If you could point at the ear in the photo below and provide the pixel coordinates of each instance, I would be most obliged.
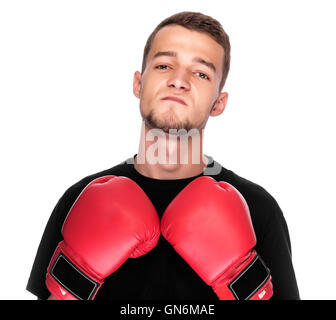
(220, 104)
(137, 84)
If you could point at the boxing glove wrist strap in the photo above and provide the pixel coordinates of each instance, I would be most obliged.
(72, 279)
(66, 281)
(248, 283)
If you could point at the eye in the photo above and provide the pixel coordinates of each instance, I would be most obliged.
(202, 75)
(162, 67)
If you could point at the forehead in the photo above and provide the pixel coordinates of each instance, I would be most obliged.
(188, 42)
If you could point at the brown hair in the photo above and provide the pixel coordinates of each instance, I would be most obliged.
(201, 23)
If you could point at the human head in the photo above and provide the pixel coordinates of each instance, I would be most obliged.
(198, 22)
(186, 64)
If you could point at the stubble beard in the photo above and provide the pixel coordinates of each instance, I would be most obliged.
(167, 122)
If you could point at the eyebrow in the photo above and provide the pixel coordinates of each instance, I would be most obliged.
(196, 59)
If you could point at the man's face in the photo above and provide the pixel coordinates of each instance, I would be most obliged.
(179, 87)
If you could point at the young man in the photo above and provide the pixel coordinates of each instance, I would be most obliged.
(185, 64)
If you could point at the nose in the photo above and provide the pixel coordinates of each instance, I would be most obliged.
(179, 80)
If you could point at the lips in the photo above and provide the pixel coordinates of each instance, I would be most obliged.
(171, 98)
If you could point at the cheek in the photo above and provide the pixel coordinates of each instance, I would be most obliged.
(151, 87)
(204, 98)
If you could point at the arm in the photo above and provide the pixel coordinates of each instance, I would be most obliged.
(275, 248)
(50, 239)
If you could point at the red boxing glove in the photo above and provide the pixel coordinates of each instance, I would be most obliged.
(111, 220)
(209, 225)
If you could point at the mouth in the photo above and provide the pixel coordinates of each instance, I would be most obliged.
(171, 98)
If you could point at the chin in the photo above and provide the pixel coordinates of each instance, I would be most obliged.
(166, 120)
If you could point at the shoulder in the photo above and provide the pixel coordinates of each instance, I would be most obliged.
(256, 195)
(72, 192)
(264, 209)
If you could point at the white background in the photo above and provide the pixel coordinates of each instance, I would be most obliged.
(67, 110)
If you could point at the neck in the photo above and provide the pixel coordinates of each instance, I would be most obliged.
(170, 156)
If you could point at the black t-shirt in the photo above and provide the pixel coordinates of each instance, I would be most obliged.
(162, 273)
